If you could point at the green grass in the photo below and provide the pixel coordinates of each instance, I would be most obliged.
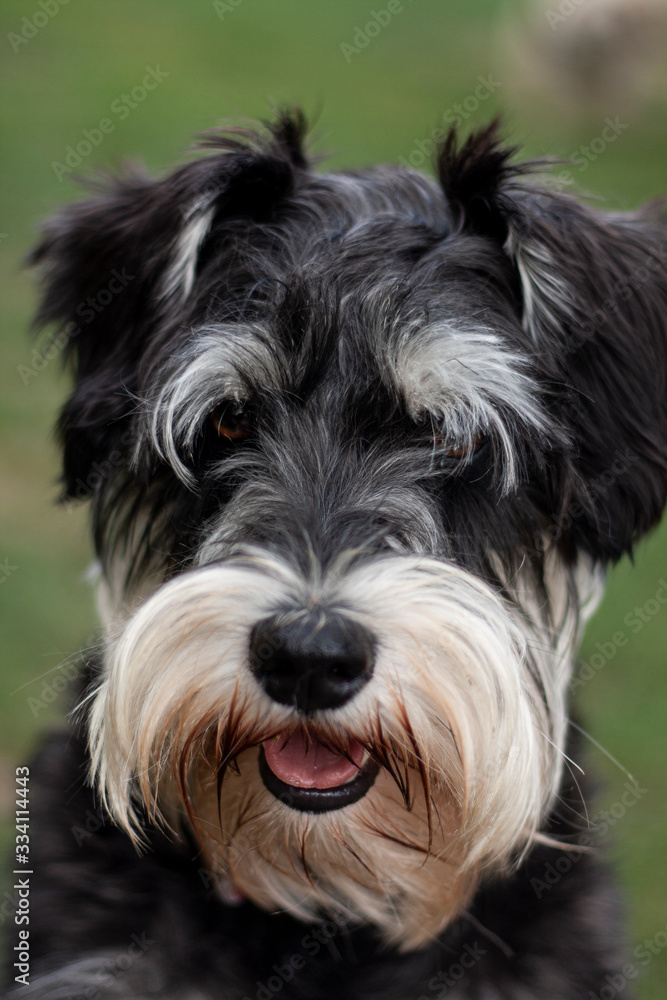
(372, 108)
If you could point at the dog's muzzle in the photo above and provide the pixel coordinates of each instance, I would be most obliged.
(313, 662)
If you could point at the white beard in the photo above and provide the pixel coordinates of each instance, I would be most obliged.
(467, 704)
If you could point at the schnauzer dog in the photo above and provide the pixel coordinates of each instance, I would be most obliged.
(359, 447)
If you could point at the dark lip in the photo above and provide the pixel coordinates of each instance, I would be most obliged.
(318, 800)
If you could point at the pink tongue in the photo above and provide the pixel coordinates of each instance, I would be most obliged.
(307, 763)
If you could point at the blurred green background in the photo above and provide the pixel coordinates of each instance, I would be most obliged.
(378, 94)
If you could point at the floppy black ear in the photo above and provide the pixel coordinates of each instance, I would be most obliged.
(100, 262)
(119, 264)
(593, 287)
(595, 303)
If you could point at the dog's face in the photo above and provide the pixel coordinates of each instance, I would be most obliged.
(358, 448)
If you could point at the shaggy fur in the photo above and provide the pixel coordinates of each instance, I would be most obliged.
(359, 448)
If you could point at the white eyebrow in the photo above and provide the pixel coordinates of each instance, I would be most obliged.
(468, 381)
(214, 366)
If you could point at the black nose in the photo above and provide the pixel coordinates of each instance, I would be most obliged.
(311, 660)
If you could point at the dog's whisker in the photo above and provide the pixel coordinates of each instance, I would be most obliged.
(603, 750)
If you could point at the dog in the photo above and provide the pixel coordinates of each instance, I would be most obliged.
(359, 448)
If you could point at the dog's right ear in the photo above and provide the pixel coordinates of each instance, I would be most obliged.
(122, 262)
(592, 296)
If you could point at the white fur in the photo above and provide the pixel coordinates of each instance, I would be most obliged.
(206, 374)
(464, 379)
(546, 295)
(180, 274)
(452, 660)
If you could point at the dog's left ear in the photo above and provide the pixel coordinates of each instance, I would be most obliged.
(593, 290)
(119, 265)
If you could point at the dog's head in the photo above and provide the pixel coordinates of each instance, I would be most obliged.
(358, 447)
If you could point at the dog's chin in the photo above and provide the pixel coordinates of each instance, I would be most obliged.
(349, 851)
(310, 777)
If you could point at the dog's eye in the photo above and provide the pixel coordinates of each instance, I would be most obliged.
(231, 421)
(463, 451)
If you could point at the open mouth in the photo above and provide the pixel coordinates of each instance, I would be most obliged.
(306, 775)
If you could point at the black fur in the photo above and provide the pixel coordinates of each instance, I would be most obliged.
(326, 265)
(278, 233)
